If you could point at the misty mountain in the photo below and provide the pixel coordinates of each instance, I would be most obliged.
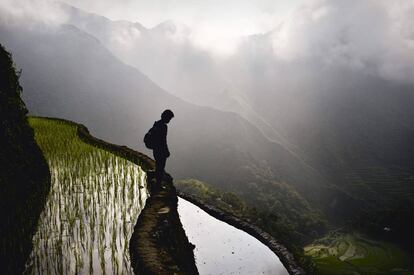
(69, 74)
(351, 124)
(166, 54)
(329, 115)
(335, 127)
(163, 52)
(299, 105)
(342, 121)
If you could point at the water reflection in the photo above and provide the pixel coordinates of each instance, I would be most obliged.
(224, 249)
(91, 210)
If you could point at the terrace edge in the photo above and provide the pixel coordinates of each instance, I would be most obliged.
(280, 250)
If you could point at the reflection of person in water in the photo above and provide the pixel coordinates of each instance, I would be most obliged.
(160, 151)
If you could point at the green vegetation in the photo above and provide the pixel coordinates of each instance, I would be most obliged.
(24, 175)
(281, 208)
(339, 253)
(92, 207)
(225, 201)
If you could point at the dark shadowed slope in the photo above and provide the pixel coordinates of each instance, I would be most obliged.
(357, 130)
(24, 174)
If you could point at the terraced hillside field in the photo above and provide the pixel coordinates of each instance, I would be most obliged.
(339, 253)
(94, 202)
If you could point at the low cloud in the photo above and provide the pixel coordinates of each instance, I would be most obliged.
(31, 12)
(372, 36)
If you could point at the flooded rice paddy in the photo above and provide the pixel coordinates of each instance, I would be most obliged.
(224, 249)
(92, 207)
(94, 202)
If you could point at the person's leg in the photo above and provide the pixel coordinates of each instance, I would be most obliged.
(159, 168)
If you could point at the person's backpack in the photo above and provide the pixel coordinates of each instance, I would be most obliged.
(150, 138)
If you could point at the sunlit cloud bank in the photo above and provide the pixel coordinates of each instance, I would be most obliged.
(373, 36)
(31, 11)
(216, 25)
(370, 36)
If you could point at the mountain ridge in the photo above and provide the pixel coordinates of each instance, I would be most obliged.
(117, 95)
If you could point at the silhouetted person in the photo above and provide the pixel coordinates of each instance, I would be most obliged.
(160, 150)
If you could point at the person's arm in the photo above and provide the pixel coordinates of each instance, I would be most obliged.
(164, 144)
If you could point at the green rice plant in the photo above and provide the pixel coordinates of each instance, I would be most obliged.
(91, 209)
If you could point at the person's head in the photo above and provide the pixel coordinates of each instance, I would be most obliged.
(166, 116)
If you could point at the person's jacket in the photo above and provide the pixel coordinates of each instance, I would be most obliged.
(161, 147)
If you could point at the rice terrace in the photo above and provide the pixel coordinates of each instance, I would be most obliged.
(355, 254)
(93, 204)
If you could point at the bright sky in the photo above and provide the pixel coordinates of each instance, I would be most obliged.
(215, 24)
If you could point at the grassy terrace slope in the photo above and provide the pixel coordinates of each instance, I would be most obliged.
(339, 253)
(93, 204)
